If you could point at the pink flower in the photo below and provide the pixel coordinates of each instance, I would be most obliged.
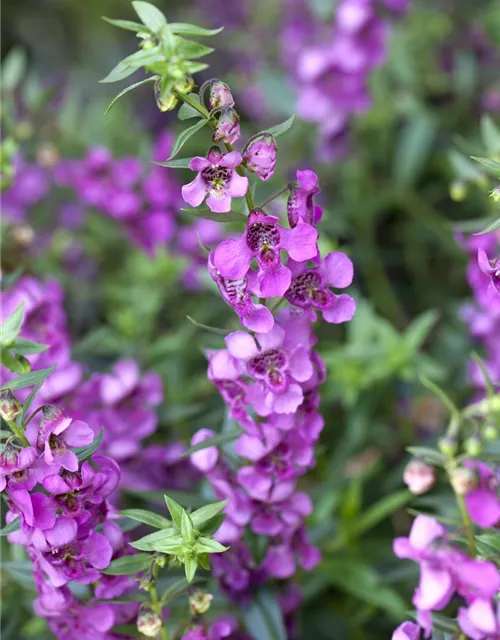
(480, 621)
(406, 631)
(483, 503)
(490, 270)
(217, 178)
(260, 156)
(205, 459)
(300, 205)
(57, 433)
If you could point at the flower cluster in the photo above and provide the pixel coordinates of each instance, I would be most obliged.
(331, 64)
(446, 571)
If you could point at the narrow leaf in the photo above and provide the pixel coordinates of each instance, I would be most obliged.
(29, 401)
(28, 379)
(175, 510)
(429, 455)
(182, 163)
(147, 517)
(184, 136)
(381, 510)
(187, 528)
(492, 165)
(173, 590)
(27, 347)
(192, 30)
(195, 67)
(85, 452)
(491, 227)
(190, 566)
(264, 618)
(280, 129)
(209, 545)
(11, 527)
(212, 525)
(192, 50)
(186, 111)
(127, 24)
(128, 565)
(120, 72)
(152, 17)
(10, 329)
(130, 88)
(205, 513)
(152, 540)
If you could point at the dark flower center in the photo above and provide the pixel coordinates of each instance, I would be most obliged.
(216, 176)
(305, 288)
(268, 362)
(262, 235)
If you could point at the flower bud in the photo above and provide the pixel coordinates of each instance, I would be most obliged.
(473, 446)
(149, 624)
(10, 407)
(419, 476)
(448, 445)
(463, 480)
(458, 191)
(219, 95)
(146, 582)
(228, 127)
(200, 602)
(186, 86)
(260, 156)
(165, 99)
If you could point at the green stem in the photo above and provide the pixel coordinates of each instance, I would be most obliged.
(274, 196)
(202, 111)
(18, 432)
(155, 602)
(278, 304)
(468, 524)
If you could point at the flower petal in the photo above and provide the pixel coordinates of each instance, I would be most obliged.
(194, 192)
(232, 258)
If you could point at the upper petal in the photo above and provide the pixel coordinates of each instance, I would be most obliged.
(232, 258)
(337, 269)
(241, 345)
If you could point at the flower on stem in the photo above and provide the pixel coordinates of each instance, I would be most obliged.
(263, 240)
(300, 205)
(10, 406)
(260, 156)
(219, 95)
(490, 270)
(310, 288)
(482, 502)
(228, 127)
(480, 620)
(17, 469)
(407, 631)
(57, 433)
(217, 177)
(419, 476)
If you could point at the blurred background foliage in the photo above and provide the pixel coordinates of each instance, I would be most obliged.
(388, 202)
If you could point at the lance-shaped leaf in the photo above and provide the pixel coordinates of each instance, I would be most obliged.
(187, 528)
(190, 566)
(191, 50)
(209, 545)
(11, 527)
(184, 136)
(210, 526)
(491, 227)
(192, 30)
(152, 540)
(186, 111)
(205, 513)
(120, 72)
(15, 364)
(82, 453)
(152, 17)
(147, 517)
(28, 379)
(175, 510)
(10, 329)
(129, 25)
(492, 165)
(280, 129)
(181, 163)
(128, 565)
(195, 67)
(130, 88)
(173, 590)
(27, 347)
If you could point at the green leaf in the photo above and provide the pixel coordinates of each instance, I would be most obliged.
(85, 452)
(414, 147)
(21, 572)
(28, 379)
(130, 88)
(209, 545)
(127, 24)
(428, 455)
(191, 50)
(381, 510)
(191, 30)
(445, 399)
(263, 618)
(491, 227)
(11, 527)
(173, 590)
(186, 111)
(362, 581)
(175, 510)
(187, 528)
(195, 67)
(280, 129)
(152, 17)
(209, 527)
(492, 165)
(15, 364)
(128, 565)
(132, 63)
(152, 540)
(190, 566)
(13, 68)
(10, 329)
(27, 347)
(184, 136)
(419, 329)
(182, 163)
(120, 72)
(492, 540)
(207, 214)
(206, 513)
(147, 517)
(490, 135)
(216, 441)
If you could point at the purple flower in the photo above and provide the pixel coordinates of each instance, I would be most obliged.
(260, 156)
(236, 293)
(407, 631)
(217, 178)
(228, 127)
(57, 433)
(277, 368)
(206, 459)
(483, 503)
(220, 95)
(492, 271)
(310, 288)
(15, 468)
(480, 620)
(264, 239)
(300, 205)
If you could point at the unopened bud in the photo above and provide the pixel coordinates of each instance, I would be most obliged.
(200, 602)
(260, 156)
(146, 582)
(149, 624)
(419, 476)
(473, 446)
(186, 86)
(458, 191)
(161, 560)
(10, 407)
(165, 99)
(219, 95)
(228, 127)
(448, 445)
(463, 480)
(490, 432)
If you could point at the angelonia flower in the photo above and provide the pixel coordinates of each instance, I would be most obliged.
(219, 95)
(260, 155)
(419, 476)
(228, 127)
